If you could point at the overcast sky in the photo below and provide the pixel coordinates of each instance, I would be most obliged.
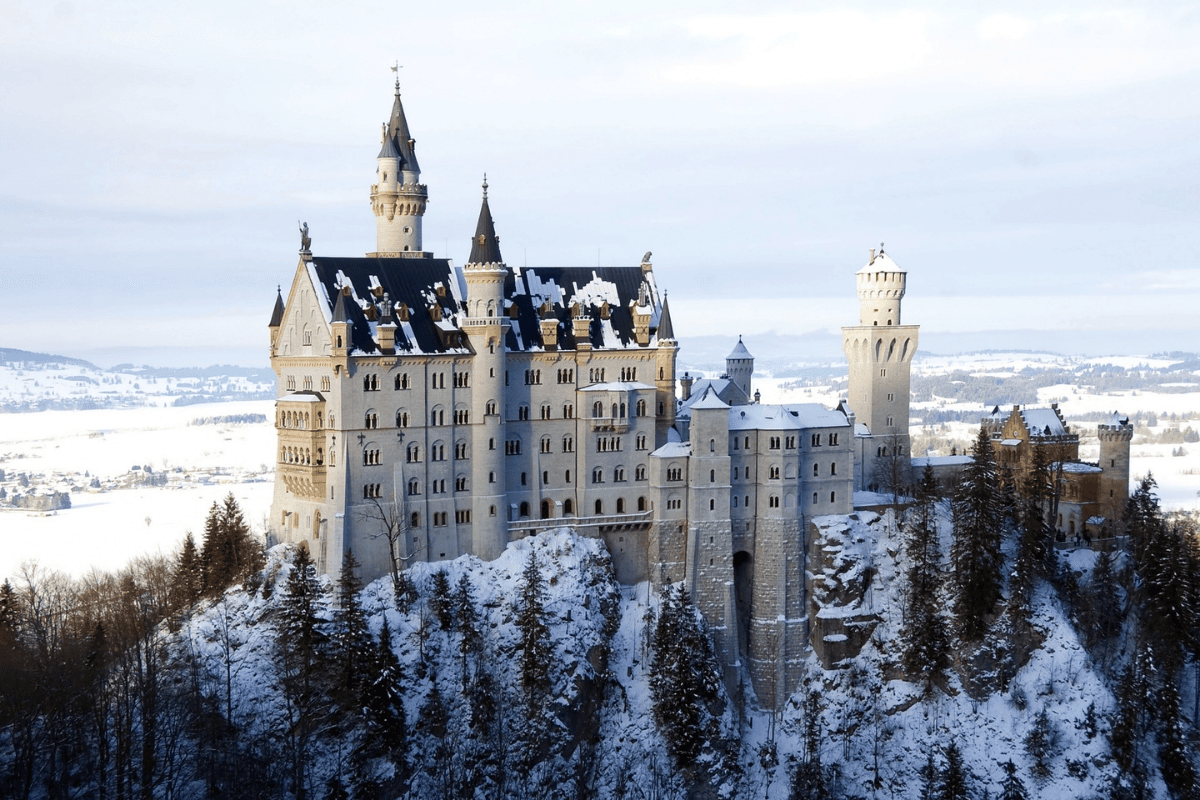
(1034, 169)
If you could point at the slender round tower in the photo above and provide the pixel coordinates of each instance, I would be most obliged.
(398, 197)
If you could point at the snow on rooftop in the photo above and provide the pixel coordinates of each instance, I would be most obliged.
(1041, 420)
(881, 263)
(673, 450)
(1078, 467)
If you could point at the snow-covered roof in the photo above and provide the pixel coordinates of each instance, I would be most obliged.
(881, 263)
(861, 429)
(726, 389)
(942, 461)
(785, 417)
(616, 386)
(673, 450)
(1117, 420)
(1011, 442)
(710, 399)
(1077, 467)
(739, 351)
(302, 397)
(1044, 422)
(1096, 521)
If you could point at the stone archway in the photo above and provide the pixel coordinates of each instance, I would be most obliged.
(743, 584)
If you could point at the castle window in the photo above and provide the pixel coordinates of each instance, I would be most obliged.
(524, 480)
(620, 505)
(599, 506)
(614, 410)
(641, 504)
(437, 416)
(545, 444)
(545, 478)
(402, 381)
(712, 476)
(773, 501)
(371, 383)
(816, 440)
(440, 518)
(833, 468)
(439, 380)
(883, 373)
(814, 498)
(523, 510)
(568, 478)
(735, 501)
(597, 475)
(491, 408)
(891, 397)
(736, 444)
(712, 445)
(889, 422)
(291, 383)
(308, 383)
(460, 484)
(791, 443)
(674, 474)
(491, 444)
(816, 470)
(462, 416)
(833, 440)
(371, 420)
(712, 505)
(774, 443)
(619, 474)
(491, 511)
(462, 516)
(461, 379)
(339, 341)
(370, 457)
(414, 487)
(568, 507)
(568, 411)
(372, 491)
(522, 412)
(325, 383)
(491, 477)
(833, 497)
(401, 419)
(568, 444)
(512, 447)
(747, 442)
(639, 472)
(415, 520)
(414, 453)
(747, 504)
(774, 473)
(437, 452)
(641, 441)
(641, 408)
(545, 411)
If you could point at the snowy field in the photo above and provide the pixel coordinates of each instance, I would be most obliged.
(65, 450)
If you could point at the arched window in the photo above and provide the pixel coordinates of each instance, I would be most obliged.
(833, 468)
(416, 519)
(597, 409)
(599, 506)
(414, 487)
(641, 408)
(712, 476)
(816, 470)
(712, 505)
(641, 506)
(402, 419)
(547, 508)
(568, 507)
(524, 510)
(620, 505)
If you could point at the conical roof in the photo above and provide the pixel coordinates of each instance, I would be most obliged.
(277, 314)
(739, 352)
(339, 308)
(485, 247)
(397, 131)
(665, 329)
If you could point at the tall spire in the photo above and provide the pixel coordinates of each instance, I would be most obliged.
(277, 312)
(665, 330)
(485, 246)
(397, 131)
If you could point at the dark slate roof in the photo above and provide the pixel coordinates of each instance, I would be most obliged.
(277, 314)
(485, 247)
(388, 149)
(412, 281)
(397, 131)
(529, 288)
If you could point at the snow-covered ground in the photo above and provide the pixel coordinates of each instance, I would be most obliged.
(66, 450)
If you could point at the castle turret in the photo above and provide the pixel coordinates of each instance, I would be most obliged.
(276, 320)
(739, 366)
(664, 382)
(398, 197)
(1115, 436)
(880, 351)
(487, 326)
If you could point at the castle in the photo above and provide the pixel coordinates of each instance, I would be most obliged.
(427, 411)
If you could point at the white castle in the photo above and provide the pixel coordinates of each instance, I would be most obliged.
(427, 411)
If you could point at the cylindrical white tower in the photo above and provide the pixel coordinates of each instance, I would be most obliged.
(398, 197)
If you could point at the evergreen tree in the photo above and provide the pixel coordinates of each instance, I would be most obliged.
(976, 552)
(382, 700)
(1142, 519)
(535, 634)
(439, 599)
(952, 782)
(304, 671)
(352, 646)
(925, 639)
(929, 778)
(1012, 788)
(684, 678)
(405, 591)
(1103, 612)
(466, 616)
(1177, 769)
(1034, 546)
(187, 579)
(228, 553)
(1041, 744)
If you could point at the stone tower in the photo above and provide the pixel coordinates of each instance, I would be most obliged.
(739, 366)
(880, 351)
(1115, 436)
(398, 197)
(486, 326)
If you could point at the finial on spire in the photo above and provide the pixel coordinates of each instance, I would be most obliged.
(881, 248)
(396, 69)
(485, 186)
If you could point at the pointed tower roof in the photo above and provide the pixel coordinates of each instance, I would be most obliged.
(397, 131)
(277, 314)
(339, 308)
(665, 329)
(710, 399)
(739, 352)
(388, 149)
(485, 247)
